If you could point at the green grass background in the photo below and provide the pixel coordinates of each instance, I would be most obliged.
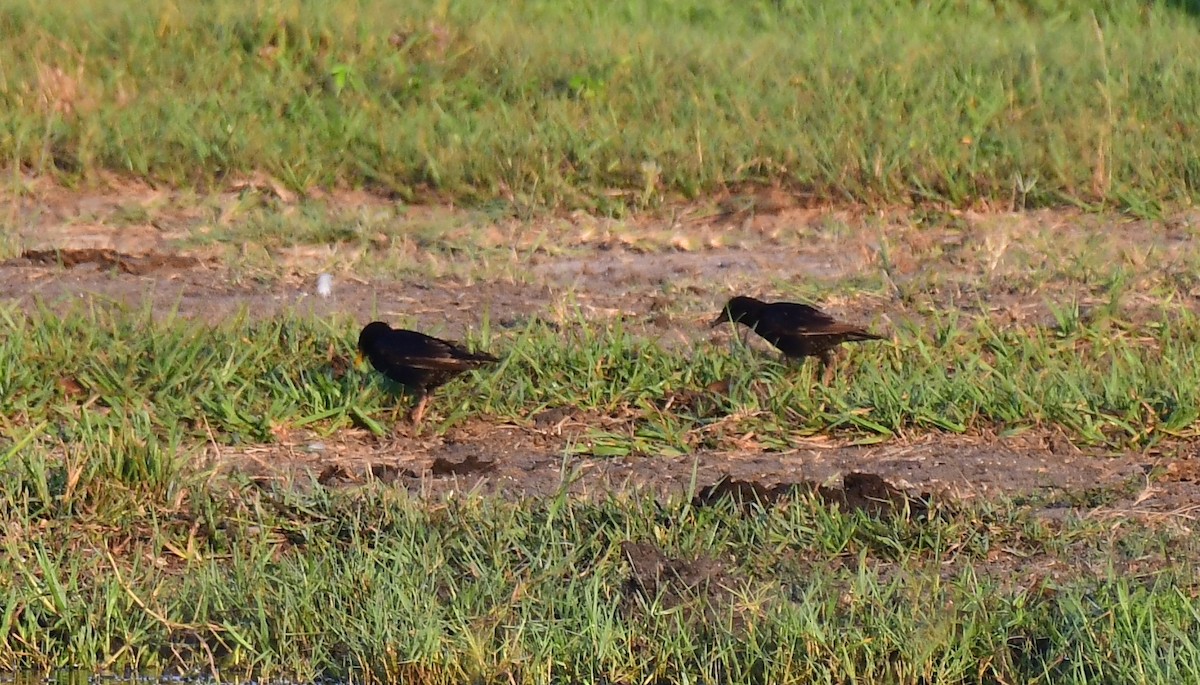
(616, 105)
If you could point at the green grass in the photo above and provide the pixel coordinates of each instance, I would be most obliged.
(108, 374)
(611, 106)
(203, 575)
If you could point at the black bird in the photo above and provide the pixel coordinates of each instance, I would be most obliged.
(797, 330)
(416, 361)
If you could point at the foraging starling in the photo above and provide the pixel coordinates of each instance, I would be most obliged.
(797, 330)
(417, 361)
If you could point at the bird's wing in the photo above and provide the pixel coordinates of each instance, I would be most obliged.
(467, 356)
(801, 320)
(796, 316)
(437, 363)
(420, 351)
(836, 328)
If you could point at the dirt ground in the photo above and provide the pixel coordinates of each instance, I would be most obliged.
(515, 461)
(668, 279)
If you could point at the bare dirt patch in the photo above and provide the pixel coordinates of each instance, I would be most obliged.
(757, 242)
(517, 462)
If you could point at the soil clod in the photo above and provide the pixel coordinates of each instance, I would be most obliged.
(472, 464)
(107, 259)
(865, 492)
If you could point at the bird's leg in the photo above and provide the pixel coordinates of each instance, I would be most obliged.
(418, 410)
(828, 368)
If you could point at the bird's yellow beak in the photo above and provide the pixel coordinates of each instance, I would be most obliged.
(358, 358)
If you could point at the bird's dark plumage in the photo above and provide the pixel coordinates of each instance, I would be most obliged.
(417, 361)
(797, 330)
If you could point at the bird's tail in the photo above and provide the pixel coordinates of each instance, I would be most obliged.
(478, 357)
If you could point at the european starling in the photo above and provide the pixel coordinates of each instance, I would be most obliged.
(416, 361)
(797, 330)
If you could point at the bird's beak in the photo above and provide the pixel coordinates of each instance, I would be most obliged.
(358, 358)
(721, 318)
